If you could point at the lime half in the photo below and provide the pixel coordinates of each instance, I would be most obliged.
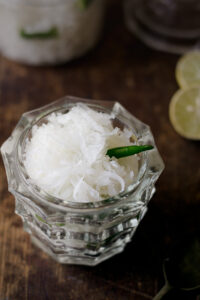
(184, 112)
(188, 70)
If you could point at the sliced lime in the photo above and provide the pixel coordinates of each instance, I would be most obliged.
(184, 112)
(188, 70)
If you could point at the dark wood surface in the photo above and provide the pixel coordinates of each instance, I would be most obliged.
(119, 68)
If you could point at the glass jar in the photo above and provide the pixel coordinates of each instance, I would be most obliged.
(168, 25)
(80, 233)
(49, 31)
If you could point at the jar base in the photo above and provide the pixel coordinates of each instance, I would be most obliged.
(67, 258)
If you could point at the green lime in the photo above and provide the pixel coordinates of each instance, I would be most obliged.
(188, 70)
(184, 112)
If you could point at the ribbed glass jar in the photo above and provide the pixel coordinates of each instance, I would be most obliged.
(80, 233)
(167, 25)
(49, 31)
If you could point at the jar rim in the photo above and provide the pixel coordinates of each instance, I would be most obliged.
(47, 199)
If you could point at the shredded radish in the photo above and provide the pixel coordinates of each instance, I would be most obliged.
(67, 158)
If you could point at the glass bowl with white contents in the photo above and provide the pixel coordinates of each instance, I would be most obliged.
(78, 204)
(47, 32)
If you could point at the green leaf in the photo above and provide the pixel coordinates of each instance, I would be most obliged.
(41, 219)
(45, 222)
(49, 34)
(182, 268)
(83, 4)
(60, 224)
(127, 151)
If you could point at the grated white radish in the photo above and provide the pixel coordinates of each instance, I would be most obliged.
(67, 158)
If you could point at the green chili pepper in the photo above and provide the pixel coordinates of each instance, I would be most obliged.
(84, 3)
(49, 34)
(127, 151)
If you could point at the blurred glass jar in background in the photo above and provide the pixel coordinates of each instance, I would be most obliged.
(168, 25)
(40, 32)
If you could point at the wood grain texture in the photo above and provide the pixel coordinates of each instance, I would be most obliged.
(119, 68)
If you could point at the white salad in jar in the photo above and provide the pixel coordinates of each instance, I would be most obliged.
(66, 156)
(49, 31)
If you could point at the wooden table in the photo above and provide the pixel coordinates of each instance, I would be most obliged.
(119, 68)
